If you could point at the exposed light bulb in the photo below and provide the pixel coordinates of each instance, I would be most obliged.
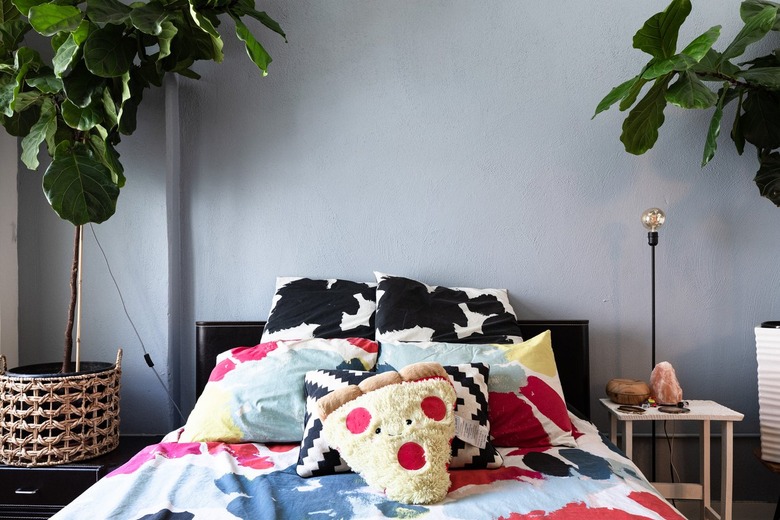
(653, 219)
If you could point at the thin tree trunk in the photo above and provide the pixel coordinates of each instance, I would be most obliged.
(74, 272)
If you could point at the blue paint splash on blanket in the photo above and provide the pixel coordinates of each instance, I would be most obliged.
(282, 495)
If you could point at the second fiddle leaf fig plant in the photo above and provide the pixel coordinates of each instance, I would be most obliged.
(77, 98)
(700, 77)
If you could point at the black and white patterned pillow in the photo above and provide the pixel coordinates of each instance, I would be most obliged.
(317, 458)
(408, 310)
(471, 411)
(304, 308)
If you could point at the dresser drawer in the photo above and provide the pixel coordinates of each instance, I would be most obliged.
(18, 512)
(44, 486)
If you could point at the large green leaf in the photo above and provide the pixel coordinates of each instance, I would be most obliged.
(81, 85)
(20, 123)
(108, 53)
(761, 119)
(640, 129)
(151, 72)
(79, 187)
(46, 83)
(615, 95)
(711, 143)
(658, 36)
(8, 12)
(205, 25)
(24, 5)
(256, 52)
(700, 46)
(768, 60)
(148, 18)
(167, 33)
(754, 29)
(202, 21)
(765, 76)
(123, 83)
(7, 88)
(11, 33)
(107, 11)
(81, 118)
(25, 100)
(712, 68)
(189, 44)
(768, 177)
(82, 32)
(49, 19)
(40, 131)
(247, 8)
(132, 94)
(64, 56)
(108, 155)
(690, 92)
(633, 92)
(25, 59)
(750, 8)
(736, 128)
(269, 22)
(109, 107)
(127, 120)
(677, 63)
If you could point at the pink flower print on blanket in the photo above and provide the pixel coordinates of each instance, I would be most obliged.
(247, 455)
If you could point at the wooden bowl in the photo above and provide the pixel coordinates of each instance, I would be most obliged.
(628, 391)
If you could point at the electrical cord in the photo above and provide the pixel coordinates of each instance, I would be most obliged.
(670, 443)
(147, 356)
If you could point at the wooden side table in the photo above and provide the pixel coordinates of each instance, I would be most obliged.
(39, 492)
(705, 412)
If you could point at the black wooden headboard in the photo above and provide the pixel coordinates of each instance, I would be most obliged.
(569, 337)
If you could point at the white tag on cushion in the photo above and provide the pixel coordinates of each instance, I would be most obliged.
(471, 432)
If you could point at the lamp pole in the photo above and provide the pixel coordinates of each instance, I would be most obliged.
(653, 219)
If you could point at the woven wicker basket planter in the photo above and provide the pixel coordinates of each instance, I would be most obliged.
(58, 418)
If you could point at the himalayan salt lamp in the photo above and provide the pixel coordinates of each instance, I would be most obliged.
(664, 385)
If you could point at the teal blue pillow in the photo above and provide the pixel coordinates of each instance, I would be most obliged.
(256, 394)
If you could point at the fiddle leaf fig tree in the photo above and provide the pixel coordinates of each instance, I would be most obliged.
(700, 77)
(79, 103)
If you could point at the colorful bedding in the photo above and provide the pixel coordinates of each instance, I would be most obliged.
(213, 481)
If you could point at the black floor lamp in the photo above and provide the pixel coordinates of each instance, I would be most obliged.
(653, 219)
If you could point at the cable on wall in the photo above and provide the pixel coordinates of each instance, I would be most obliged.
(147, 356)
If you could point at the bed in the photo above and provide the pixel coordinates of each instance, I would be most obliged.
(574, 473)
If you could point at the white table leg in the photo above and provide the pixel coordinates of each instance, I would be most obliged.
(706, 502)
(613, 429)
(628, 439)
(726, 469)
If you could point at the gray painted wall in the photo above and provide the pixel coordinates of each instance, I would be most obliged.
(9, 271)
(448, 141)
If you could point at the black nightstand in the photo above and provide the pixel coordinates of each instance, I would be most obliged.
(32, 493)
